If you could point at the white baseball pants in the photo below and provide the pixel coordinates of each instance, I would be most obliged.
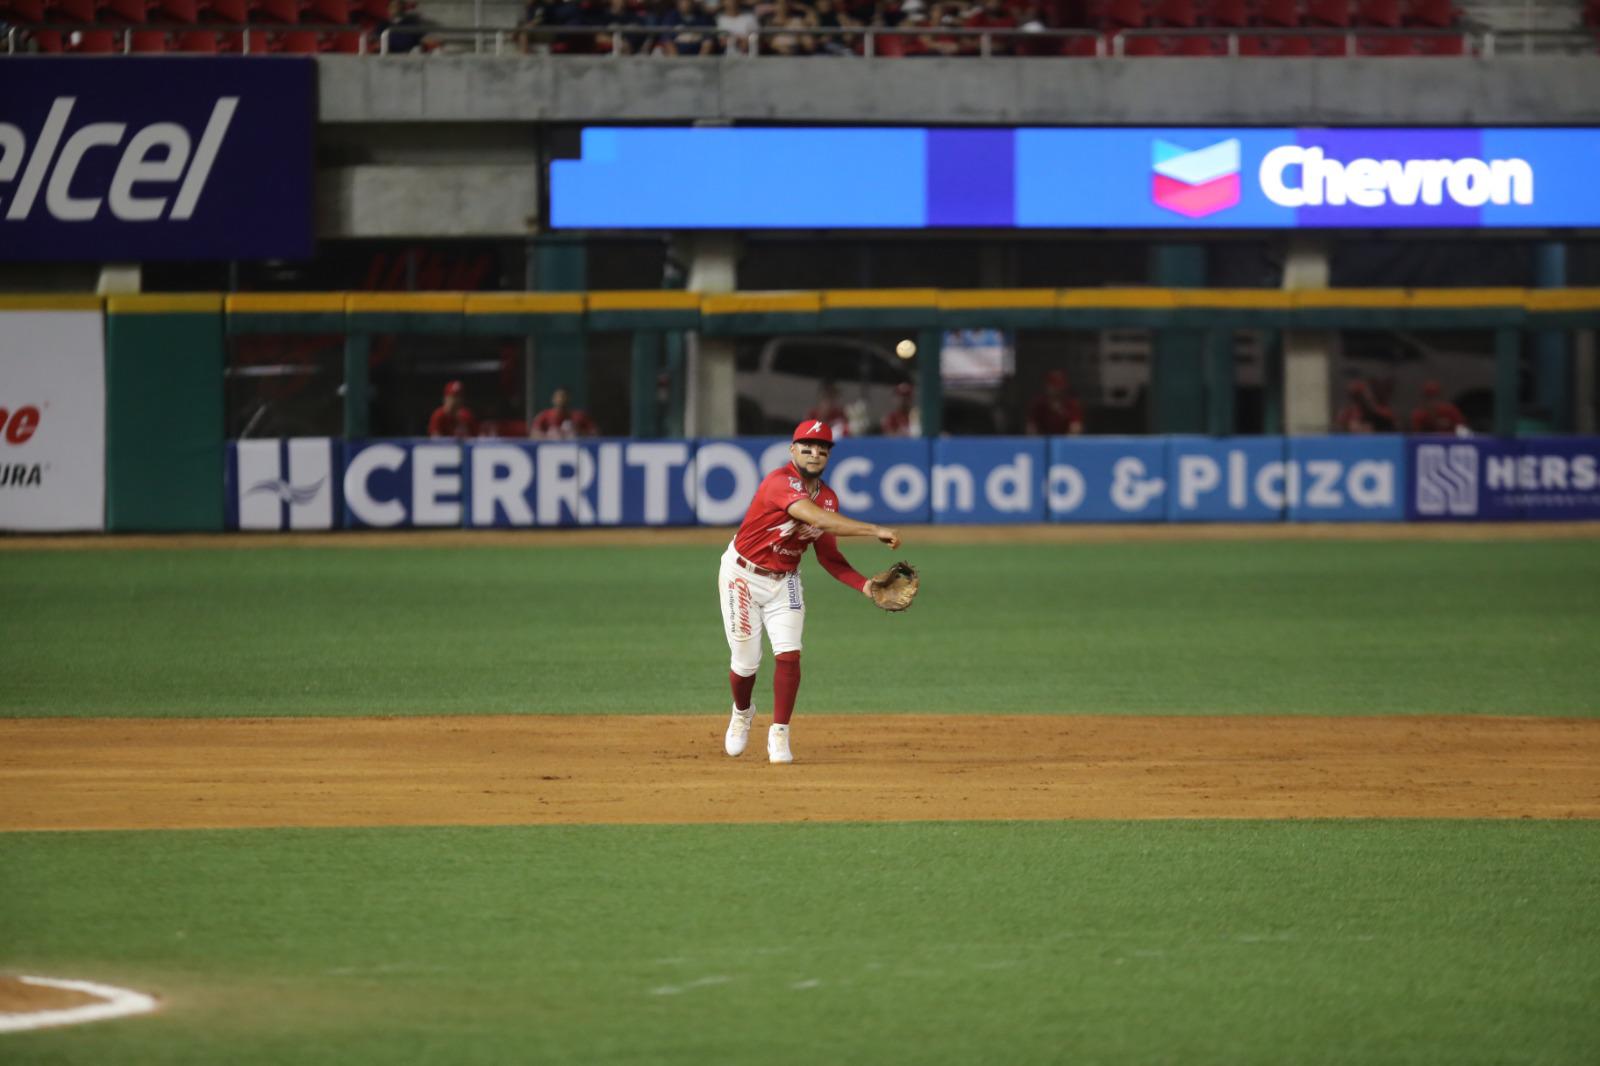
(750, 602)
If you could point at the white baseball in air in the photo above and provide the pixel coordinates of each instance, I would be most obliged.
(906, 348)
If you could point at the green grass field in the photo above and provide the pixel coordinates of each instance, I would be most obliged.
(1205, 628)
(1084, 942)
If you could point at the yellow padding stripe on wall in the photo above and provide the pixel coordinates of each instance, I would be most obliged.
(735, 303)
(406, 302)
(1563, 300)
(286, 302)
(48, 302)
(858, 298)
(644, 300)
(524, 303)
(156, 303)
(985, 299)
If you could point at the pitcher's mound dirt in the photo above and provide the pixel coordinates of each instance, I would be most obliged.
(509, 770)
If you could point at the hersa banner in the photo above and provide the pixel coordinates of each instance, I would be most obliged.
(112, 159)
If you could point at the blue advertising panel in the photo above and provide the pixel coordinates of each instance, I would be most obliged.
(395, 484)
(882, 479)
(1106, 479)
(724, 475)
(577, 483)
(988, 480)
(1228, 479)
(1541, 479)
(1143, 178)
(1341, 479)
(145, 158)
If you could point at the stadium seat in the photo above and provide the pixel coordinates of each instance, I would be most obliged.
(199, 42)
(1284, 13)
(97, 42)
(1442, 44)
(344, 43)
(1386, 44)
(1175, 13)
(370, 10)
(225, 11)
(23, 10)
(283, 12)
(1201, 44)
(147, 41)
(247, 42)
(327, 12)
(1231, 13)
(1125, 14)
(1439, 13)
(75, 11)
(1379, 13)
(1333, 13)
(299, 42)
(187, 11)
(1143, 44)
(125, 10)
(49, 41)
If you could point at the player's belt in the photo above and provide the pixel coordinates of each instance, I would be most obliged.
(763, 571)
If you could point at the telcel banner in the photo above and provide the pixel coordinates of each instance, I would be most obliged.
(150, 158)
(1153, 178)
(52, 420)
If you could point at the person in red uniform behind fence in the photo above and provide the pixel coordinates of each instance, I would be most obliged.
(759, 585)
(904, 420)
(1056, 412)
(560, 421)
(452, 418)
(1435, 414)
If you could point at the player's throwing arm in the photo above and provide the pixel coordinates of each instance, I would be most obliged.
(759, 584)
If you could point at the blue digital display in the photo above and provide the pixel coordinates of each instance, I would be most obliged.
(1153, 178)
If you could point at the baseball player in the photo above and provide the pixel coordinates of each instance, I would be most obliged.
(759, 581)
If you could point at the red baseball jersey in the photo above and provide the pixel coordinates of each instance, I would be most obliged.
(772, 538)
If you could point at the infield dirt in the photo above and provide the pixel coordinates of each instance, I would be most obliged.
(65, 774)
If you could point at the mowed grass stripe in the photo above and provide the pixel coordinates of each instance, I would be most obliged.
(1145, 628)
(1228, 943)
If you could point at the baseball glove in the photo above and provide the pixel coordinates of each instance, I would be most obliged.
(895, 588)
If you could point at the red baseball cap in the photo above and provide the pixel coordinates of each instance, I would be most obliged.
(453, 388)
(813, 429)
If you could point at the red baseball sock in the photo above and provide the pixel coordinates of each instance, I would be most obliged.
(742, 688)
(785, 683)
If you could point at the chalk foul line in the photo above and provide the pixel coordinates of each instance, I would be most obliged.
(115, 1003)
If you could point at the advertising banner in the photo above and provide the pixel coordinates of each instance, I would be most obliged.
(1343, 479)
(513, 484)
(141, 158)
(1482, 479)
(283, 484)
(1231, 479)
(988, 480)
(1140, 178)
(1107, 479)
(52, 420)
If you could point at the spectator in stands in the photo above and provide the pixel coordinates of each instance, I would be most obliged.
(616, 13)
(562, 421)
(1363, 411)
(905, 420)
(792, 16)
(1435, 414)
(1056, 412)
(737, 25)
(403, 25)
(686, 35)
(826, 16)
(828, 409)
(452, 419)
(991, 15)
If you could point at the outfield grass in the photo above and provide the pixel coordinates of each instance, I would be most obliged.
(1304, 627)
(1228, 943)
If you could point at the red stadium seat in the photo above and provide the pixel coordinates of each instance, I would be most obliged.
(1201, 44)
(125, 10)
(200, 42)
(248, 42)
(97, 42)
(1143, 44)
(327, 12)
(1290, 46)
(1386, 44)
(370, 10)
(177, 10)
(1175, 13)
(147, 41)
(225, 11)
(1227, 13)
(1280, 13)
(75, 11)
(344, 43)
(24, 10)
(300, 42)
(1440, 13)
(1126, 14)
(1443, 44)
(284, 12)
(1378, 13)
(1334, 13)
(49, 41)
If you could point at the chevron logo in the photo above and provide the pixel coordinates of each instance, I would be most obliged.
(1195, 182)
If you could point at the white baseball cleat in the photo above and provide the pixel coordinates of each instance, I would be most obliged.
(738, 734)
(778, 744)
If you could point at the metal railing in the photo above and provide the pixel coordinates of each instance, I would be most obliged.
(868, 42)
